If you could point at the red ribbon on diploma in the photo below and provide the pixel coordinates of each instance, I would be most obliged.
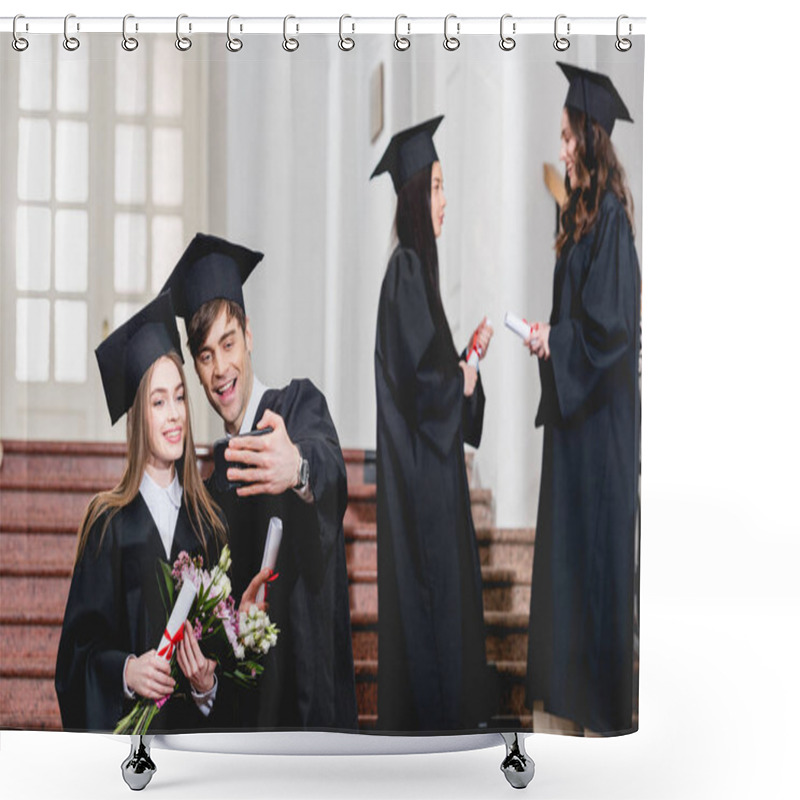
(475, 347)
(168, 649)
(271, 576)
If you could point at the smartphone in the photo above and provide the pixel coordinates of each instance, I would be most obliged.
(221, 466)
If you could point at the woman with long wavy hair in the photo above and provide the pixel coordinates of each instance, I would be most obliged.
(580, 648)
(115, 612)
(431, 644)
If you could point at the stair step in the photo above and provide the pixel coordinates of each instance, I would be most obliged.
(27, 597)
(55, 464)
(511, 548)
(47, 553)
(24, 643)
(45, 511)
(501, 592)
(29, 703)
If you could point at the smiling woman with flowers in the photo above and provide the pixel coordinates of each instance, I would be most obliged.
(119, 599)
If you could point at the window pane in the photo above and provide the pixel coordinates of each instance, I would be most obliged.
(33, 248)
(131, 91)
(33, 167)
(167, 78)
(72, 161)
(70, 341)
(130, 160)
(123, 312)
(72, 83)
(168, 245)
(72, 251)
(33, 339)
(36, 78)
(167, 166)
(130, 253)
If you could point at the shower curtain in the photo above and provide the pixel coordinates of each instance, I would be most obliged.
(113, 158)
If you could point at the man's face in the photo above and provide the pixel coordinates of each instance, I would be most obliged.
(225, 370)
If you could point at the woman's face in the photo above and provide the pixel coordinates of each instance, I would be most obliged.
(569, 146)
(438, 201)
(166, 414)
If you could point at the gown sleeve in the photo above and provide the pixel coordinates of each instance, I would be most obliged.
(428, 388)
(90, 662)
(588, 344)
(310, 427)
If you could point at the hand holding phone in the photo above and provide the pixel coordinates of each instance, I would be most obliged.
(221, 464)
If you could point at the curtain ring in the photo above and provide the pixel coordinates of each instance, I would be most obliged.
(19, 43)
(233, 44)
(451, 42)
(346, 43)
(561, 43)
(623, 45)
(129, 43)
(290, 44)
(70, 43)
(183, 43)
(401, 42)
(507, 42)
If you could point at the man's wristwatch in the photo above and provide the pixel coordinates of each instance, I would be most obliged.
(302, 475)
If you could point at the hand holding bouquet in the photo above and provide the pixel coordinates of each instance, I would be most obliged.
(230, 637)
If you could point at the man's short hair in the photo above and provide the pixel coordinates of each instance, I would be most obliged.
(204, 318)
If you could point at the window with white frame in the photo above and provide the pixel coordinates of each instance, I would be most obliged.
(97, 141)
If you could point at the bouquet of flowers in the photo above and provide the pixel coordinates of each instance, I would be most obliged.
(233, 638)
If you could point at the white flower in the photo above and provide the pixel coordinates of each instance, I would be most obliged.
(224, 563)
(224, 584)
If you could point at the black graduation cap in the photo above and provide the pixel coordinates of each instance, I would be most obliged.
(594, 94)
(408, 152)
(210, 268)
(126, 354)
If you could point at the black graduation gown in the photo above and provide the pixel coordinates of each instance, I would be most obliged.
(431, 643)
(114, 609)
(309, 679)
(580, 656)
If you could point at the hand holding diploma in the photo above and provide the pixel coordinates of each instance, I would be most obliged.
(539, 343)
(148, 675)
(479, 344)
(270, 557)
(535, 335)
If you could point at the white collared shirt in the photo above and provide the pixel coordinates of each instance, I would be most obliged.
(249, 419)
(164, 504)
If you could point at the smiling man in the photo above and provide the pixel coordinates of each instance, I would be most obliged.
(295, 472)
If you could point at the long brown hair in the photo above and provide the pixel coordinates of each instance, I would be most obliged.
(202, 510)
(594, 175)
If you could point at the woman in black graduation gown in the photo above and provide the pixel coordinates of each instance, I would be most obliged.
(580, 656)
(115, 614)
(431, 644)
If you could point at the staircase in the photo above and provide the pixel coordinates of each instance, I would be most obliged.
(44, 490)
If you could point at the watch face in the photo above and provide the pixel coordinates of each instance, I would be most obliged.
(302, 476)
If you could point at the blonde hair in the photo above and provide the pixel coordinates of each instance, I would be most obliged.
(202, 510)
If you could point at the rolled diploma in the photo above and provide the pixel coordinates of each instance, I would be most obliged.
(180, 612)
(271, 547)
(521, 327)
(475, 352)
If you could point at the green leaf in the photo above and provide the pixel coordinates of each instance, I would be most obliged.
(169, 584)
